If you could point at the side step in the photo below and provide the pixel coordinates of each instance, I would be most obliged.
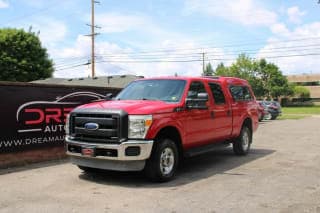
(207, 148)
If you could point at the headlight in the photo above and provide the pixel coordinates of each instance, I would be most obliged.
(66, 126)
(139, 126)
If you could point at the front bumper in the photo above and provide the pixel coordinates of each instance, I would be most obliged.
(119, 150)
(119, 159)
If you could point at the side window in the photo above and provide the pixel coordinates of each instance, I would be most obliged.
(196, 87)
(247, 94)
(217, 93)
(240, 93)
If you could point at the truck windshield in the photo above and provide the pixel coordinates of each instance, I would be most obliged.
(156, 89)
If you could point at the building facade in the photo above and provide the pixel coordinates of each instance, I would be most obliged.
(310, 81)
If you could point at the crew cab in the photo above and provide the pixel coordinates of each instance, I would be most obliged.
(154, 123)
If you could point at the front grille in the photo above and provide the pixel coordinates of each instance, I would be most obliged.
(112, 125)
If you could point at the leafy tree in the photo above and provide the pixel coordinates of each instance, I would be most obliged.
(22, 58)
(221, 70)
(265, 78)
(275, 84)
(301, 92)
(208, 71)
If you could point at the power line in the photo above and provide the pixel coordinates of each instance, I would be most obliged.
(187, 57)
(187, 61)
(172, 49)
(191, 56)
(176, 59)
(152, 54)
(79, 65)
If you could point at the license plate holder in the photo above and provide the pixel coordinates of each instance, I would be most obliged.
(88, 151)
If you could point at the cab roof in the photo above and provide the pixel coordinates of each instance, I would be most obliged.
(222, 79)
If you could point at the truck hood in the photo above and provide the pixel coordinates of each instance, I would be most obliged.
(134, 106)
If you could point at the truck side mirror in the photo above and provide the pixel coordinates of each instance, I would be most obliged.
(109, 96)
(198, 103)
(203, 96)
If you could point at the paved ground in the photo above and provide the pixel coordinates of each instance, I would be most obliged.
(281, 174)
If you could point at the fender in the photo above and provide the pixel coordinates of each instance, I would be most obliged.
(161, 121)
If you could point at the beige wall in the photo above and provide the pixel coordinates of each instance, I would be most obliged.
(303, 78)
(314, 90)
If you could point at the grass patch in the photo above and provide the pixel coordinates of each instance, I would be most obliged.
(312, 110)
(291, 116)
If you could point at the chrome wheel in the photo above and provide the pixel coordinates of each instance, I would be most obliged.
(166, 161)
(163, 163)
(245, 140)
(241, 145)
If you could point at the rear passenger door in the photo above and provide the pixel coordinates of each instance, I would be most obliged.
(221, 113)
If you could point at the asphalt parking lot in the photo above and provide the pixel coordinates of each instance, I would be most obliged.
(281, 174)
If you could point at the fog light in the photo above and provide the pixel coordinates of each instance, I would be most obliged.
(132, 151)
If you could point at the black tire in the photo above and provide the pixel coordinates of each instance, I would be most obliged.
(241, 145)
(163, 163)
(274, 117)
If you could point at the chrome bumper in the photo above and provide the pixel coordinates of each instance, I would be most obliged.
(145, 149)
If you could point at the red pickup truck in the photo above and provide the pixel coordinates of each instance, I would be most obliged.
(154, 123)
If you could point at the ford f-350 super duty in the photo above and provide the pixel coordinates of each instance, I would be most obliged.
(154, 123)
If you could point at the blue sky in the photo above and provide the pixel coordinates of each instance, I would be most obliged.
(164, 37)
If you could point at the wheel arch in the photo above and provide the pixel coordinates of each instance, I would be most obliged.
(172, 133)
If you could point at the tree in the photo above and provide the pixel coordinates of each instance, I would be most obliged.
(245, 68)
(301, 92)
(208, 71)
(221, 70)
(22, 58)
(265, 78)
(275, 84)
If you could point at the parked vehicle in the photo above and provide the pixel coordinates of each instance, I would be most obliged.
(274, 108)
(153, 123)
(264, 114)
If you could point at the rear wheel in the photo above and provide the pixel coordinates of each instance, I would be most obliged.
(241, 145)
(162, 165)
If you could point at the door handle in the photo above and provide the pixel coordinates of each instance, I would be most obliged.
(212, 114)
(228, 112)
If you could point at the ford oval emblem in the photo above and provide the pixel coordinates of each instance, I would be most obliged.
(91, 126)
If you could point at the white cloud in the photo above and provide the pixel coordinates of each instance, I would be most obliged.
(4, 4)
(295, 15)
(245, 12)
(114, 23)
(112, 59)
(51, 30)
(137, 23)
(303, 40)
(280, 29)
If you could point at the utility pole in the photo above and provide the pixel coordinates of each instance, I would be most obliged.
(92, 35)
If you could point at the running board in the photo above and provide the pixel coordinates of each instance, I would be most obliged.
(206, 148)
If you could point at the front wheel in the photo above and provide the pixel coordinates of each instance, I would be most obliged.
(241, 145)
(162, 165)
(274, 117)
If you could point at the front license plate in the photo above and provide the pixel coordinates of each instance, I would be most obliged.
(88, 152)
